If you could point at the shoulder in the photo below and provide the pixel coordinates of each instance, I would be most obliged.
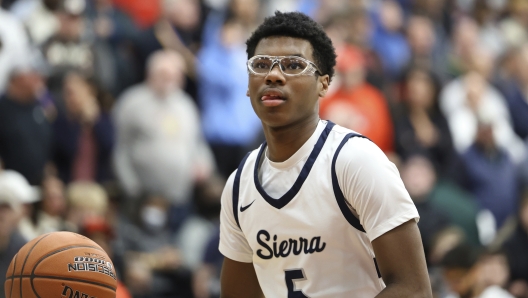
(132, 96)
(357, 152)
(185, 98)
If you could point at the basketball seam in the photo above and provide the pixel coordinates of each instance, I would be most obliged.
(12, 274)
(56, 252)
(25, 260)
(67, 279)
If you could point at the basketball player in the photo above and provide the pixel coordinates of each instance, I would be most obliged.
(317, 210)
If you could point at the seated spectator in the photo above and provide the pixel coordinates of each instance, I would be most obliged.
(25, 130)
(420, 126)
(48, 214)
(14, 192)
(100, 231)
(83, 134)
(469, 272)
(515, 248)
(154, 264)
(160, 148)
(356, 104)
(489, 174)
(206, 280)
(419, 178)
(461, 208)
(85, 200)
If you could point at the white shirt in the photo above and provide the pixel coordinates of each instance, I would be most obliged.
(370, 184)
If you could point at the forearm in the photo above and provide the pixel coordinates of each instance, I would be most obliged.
(396, 290)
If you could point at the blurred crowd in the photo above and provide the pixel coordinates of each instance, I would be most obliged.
(122, 119)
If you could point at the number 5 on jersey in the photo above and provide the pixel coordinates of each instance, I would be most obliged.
(290, 276)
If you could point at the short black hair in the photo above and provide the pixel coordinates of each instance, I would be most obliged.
(297, 25)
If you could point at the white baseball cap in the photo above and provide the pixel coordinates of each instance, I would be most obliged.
(15, 189)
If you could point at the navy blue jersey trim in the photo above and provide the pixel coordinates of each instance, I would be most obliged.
(341, 201)
(292, 192)
(377, 268)
(236, 187)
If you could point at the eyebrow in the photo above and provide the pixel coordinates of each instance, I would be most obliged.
(296, 55)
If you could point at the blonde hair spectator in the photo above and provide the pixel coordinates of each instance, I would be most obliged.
(89, 197)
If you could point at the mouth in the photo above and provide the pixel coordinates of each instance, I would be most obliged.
(272, 97)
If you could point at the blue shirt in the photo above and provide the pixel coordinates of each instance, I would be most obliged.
(227, 114)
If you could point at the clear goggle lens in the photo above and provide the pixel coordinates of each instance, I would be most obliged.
(288, 65)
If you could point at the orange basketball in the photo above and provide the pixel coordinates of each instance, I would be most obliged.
(61, 264)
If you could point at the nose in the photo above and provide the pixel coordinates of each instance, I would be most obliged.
(275, 75)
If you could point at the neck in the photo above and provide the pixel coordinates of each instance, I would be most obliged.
(284, 141)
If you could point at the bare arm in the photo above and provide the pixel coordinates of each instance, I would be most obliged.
(239, 280)
(401, 261)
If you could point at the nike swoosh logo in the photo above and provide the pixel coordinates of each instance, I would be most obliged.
(242, 209)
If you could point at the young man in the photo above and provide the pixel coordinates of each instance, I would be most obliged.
(317, 210)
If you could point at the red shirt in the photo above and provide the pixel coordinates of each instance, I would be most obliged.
(362, 109)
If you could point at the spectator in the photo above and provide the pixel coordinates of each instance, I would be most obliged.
(246, 13)
(514, 25)
(489, 31)
(460, 206)
(387, 39)
(14, 192)
(86, 200)
(489, 174)
(14, 49)
(419, 178)
(25, 130)
(464, 41)
(179, 29)
(84, 134)
(100, 231)
(49, 213)
(428, 49)
(228, 120)
(39, 18)
(515, 248)
(463, 98)
(206, 280)
(472, 273)
(144, 14)
(160, 148)
(71, 48)
(420, 126)
(155, 266)
(115, 29)
(356, 104)
(515, 94)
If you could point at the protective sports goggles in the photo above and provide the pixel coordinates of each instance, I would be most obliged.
(261, 65)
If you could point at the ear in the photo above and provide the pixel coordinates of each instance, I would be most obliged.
(247, 92)
(323, 82)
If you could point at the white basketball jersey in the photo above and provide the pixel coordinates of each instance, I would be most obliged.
(307, 243)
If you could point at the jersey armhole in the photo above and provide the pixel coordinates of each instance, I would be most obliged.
(341, 201)
(236, 188)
